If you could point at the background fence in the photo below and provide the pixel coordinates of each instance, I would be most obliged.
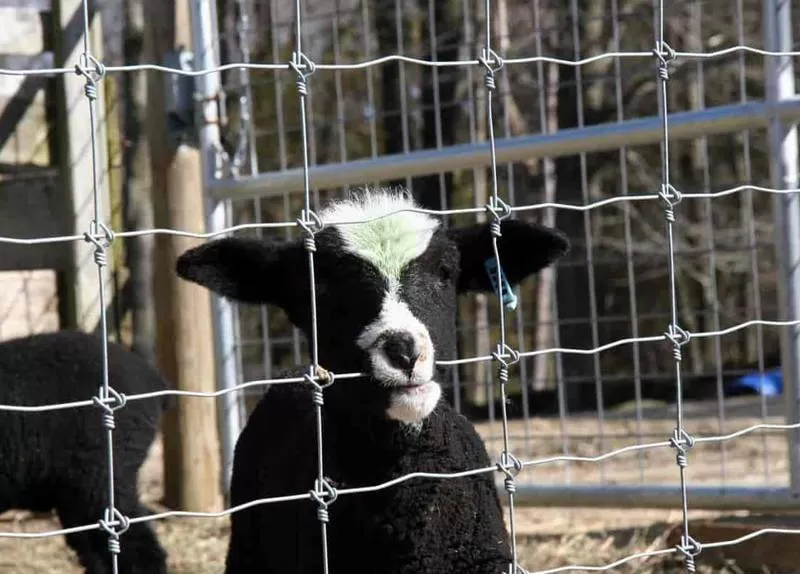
(579, 133)
(585, 137)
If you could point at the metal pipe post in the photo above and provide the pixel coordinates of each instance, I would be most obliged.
(208, 87)
(600, 137)
(667, 496)
(777, 22)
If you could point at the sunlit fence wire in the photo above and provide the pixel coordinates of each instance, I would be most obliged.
(497, 207)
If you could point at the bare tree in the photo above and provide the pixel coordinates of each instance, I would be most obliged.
(138, 209)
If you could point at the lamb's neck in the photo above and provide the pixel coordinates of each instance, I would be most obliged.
(390, 437)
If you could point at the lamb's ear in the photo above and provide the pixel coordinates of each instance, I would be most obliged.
(244, 269)
(524, 248)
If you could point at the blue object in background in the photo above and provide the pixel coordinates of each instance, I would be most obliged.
(769, 384)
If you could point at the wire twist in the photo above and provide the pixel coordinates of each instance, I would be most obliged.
(678, 337)
(108, 410)
(323, 490)
(101, 237)
(510, 466)
(690, 549)
(311, 224)
(92, 71)
(498, 211)
(327, 378)
(113, 518)
(499, 355)
(671, 197)
(493, 64)
(682, 441)
(303, 67)
(665, 55)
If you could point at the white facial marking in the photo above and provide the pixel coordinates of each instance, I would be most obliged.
(390, 243)
(395, 316)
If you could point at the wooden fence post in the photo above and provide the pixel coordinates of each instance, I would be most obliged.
(185, 346)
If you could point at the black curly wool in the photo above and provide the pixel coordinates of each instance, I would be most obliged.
(422, 525)
(57, 460)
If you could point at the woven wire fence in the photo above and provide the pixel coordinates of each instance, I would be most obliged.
(99, 236)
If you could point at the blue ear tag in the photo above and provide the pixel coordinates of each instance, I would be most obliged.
(509, 297)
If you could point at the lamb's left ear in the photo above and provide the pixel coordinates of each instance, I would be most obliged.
(524, 248)
(246, 269)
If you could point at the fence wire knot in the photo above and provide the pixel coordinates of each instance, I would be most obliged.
(505, 355)
(510, 466)
(498, 210)
(493, 64)
(499, 356)
(101, 237)
(311, 224)
(109, 523)
(118, 402)
(690, 548)
(327, 378)
(92, 71)
(678, 337)
(322, 491)
(665, 55)
(303, 67)
(682, 442)
(671, 197)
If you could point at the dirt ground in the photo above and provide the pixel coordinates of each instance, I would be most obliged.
(548, 538)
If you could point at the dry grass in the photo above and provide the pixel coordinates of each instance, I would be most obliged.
(197, 546)
(548, 537)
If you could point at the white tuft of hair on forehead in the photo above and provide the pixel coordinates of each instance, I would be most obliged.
(389, 242)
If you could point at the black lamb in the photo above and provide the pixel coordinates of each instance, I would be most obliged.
(386, 306)
(57, 459)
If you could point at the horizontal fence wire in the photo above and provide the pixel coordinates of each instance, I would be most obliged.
(440, 212)
(665, 338)
(287, 67)
(445, 476)
(100, 236)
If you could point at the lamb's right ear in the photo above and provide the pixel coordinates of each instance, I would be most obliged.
(244, 269)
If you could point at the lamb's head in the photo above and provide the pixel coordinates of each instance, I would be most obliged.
(386, 289)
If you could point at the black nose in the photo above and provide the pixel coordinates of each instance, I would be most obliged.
(401, 351)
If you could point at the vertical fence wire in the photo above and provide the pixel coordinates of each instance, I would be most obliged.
(752, 239)
(588, 242)
(498, 210)
(711, 288)
(402, 79)
(680, 440)
(628, 234)
(100, 236)
(501, 21)
(548, 169)
(322, 493)
(371, 110)
(247, 143)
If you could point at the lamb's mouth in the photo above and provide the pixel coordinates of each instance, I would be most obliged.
(411, 401)
(413, 388)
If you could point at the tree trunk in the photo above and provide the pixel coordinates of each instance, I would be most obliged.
(138, 210)
(185, 344)
(573, 285)
(544, 300)
(442, 36)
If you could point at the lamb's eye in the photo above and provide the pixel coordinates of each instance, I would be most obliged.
(445, 272)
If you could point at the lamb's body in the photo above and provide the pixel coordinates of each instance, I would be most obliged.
(420, 526)
(57, 459)
(386, 306)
